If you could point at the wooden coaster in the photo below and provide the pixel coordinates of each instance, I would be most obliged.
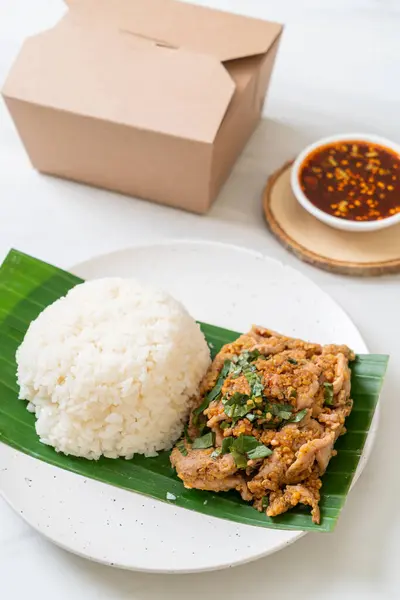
(362, 254)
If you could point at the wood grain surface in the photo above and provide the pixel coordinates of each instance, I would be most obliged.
(360, 254)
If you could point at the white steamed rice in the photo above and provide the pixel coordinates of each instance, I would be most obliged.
(110, 369)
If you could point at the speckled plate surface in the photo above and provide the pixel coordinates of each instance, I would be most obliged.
(219, 284)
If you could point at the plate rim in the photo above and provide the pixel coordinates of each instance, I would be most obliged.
(218, 567)
(296, 535)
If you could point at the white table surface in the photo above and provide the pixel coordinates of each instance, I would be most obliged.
(338, 70)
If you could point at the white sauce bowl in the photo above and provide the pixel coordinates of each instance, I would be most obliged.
(336, 222)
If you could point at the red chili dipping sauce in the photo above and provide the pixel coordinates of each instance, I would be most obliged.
(353, 180)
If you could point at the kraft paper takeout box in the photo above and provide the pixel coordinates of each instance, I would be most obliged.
(151, 98)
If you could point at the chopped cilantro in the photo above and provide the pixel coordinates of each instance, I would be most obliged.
(298, 416)
(247, 357)
(226, 444)
(264, 502)
(255, 383)
(328, 394)
(259, 452)
(215, 392)
(272, 424)
(236, 406)
(205, 441)
(243, 362)
(236, 371)
(253, 355)
(283, 411)
(201, 428)
(216, 453)
(284, 414)
(243, 448)
(186, 434)
(182, 448)
(240, 459)
(292, 361)
(245, 443)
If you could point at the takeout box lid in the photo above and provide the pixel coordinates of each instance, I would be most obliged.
(151, 64)
(224, 35)
(122, 79)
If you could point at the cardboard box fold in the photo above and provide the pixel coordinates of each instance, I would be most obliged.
(181, 25)
(152, 98)
(107, 82)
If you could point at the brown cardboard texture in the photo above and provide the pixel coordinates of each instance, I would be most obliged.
(151, 98)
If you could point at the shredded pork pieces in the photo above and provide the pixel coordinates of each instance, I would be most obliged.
(270, 410)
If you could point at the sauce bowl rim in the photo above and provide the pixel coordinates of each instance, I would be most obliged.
(336, 222)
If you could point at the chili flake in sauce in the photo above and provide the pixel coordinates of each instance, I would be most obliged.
(353, 180)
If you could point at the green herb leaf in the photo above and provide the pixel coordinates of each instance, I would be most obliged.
(255, 383)
(283, 408)
(182, 448)
(245, 443)
(236, 411)
(226, 444)
(236, 406)
(253, 355)
(246, 357)
(216, 453)
(186, 434)
(243, 364)
(293, 393)
(205, 441)
(258, 388)
(234, 369)
(284, 414)
(225, 425)
(201, 428)
(265, 502)
(244, 360)
(328, 394)
(283, 411)
(271, 424)
(220, 381)
(298, 416)
(259, 452)
(251, 417)
(236, 398)
(240, 459)
(216, 390)
(292, 361)
(236, 372)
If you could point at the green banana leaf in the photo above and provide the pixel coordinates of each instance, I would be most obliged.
(28, 285)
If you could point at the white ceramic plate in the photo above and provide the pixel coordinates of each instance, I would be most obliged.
(219, 284)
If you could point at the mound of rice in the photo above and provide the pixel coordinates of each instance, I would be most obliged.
(110, 369)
